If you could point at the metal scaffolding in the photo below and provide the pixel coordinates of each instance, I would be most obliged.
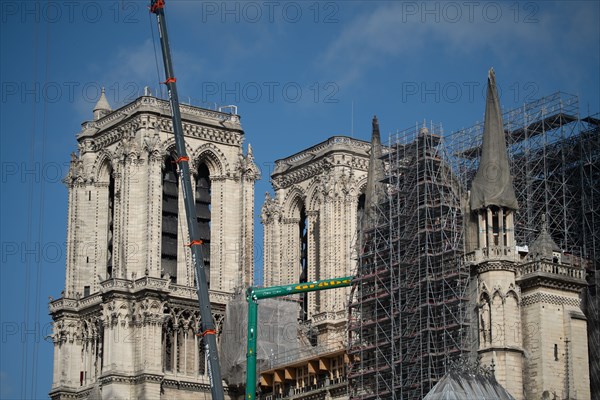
(554, 155)
(409, 308)
(543, 142)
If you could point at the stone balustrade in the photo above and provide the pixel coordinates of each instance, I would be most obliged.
(552, 268)
(133, 286)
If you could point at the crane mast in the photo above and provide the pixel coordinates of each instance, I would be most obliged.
(207, 325)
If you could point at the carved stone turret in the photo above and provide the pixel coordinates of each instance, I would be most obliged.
(492, 204)
(102, 107)
(492, 185)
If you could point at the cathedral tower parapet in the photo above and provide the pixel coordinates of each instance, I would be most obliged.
(125, 326)
(311, 224)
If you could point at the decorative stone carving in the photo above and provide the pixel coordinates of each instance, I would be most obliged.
(76, 175)
(271, 210)
(153, 146)
(528, 300)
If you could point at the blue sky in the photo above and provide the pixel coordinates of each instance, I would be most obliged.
(299, 71)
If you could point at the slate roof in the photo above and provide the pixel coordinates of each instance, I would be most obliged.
(492, 185)
(467, 386)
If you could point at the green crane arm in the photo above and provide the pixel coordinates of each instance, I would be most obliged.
(254, 294)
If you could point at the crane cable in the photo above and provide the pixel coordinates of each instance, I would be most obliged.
(160, 88)
(25, 353)
(41, 215)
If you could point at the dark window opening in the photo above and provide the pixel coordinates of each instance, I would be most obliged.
(86, 291)
(495, 225)
(360, 211)
(167, 340)
(303, 230)
(170, 223)
(555, 352)
(505, 229)
(203, 214)
(111, 225)
(201, 357)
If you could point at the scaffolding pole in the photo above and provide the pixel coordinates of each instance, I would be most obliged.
(412, 299)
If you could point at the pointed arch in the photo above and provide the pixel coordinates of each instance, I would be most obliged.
(168, 146)
(313, 199)
(103, 175)
(484, 296)
(293, 202)
(213, 157)
(513, 293)
(498, 293)
(361, 186)
(103, 167)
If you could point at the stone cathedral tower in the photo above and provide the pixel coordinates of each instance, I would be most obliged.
(532, 331)
(310, 227)
(125, 326)
(493, 204)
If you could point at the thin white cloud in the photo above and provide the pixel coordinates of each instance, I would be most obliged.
(396, 31)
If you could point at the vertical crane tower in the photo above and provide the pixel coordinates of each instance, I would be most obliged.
(207, 325)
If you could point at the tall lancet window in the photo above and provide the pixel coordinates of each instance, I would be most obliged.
(303, 231)
(495, 226)
(170, 224)
(111, 225)
(360, 212)
(203, 199)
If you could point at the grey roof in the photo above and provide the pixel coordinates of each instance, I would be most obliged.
(374, 191)
(544, 245)
(493, 183)
(467, 386)
(102, 104)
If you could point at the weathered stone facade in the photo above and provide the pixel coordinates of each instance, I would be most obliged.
(532, 330)
(125, 326)
(523, 304)
(310, 226)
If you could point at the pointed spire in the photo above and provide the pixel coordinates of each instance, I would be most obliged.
(492, 185)
(543, 246)
(424, 130)
(374, 191)
(102, 107)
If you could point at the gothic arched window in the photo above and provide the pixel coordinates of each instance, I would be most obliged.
(303, 234)
(111, 225)
(360, 212)
(203, 216)
(170, 223)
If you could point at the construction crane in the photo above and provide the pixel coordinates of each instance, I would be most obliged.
(207, 325)
(254, 294)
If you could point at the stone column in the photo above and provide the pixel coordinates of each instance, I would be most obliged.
(490, 230)
(153, 209)
(271, 218)
(118, 270)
